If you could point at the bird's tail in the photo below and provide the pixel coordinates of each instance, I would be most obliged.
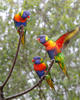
(50, 83)
(23, 39)
(63, 67)
(23, 33)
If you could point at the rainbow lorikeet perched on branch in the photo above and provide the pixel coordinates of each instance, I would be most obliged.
(21, 19)
(40, 67)
(54, 48)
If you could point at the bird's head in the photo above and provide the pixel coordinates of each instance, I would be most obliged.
(42, 38)
(37, 60)
(25, 14)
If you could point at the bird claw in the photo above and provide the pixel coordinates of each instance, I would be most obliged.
(20, 29)
(52, 60)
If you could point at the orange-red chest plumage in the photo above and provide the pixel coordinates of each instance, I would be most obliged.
(18, 18)
(50, 45)
(40, 67)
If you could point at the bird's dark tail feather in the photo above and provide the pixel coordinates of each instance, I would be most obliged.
(67, 75)
(50, 83)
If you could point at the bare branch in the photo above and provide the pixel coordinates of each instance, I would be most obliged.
(14, 62)
(28, 90)
(1, 94)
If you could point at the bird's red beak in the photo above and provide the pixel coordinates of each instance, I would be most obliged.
(38, 39)
(28, 16)
(33, 60)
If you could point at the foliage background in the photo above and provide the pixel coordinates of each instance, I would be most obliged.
(50, 17)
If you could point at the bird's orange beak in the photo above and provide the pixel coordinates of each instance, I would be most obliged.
(33, 60)
(38, 39)
(28, 16)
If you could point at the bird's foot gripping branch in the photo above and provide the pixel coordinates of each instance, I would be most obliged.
(36, 85)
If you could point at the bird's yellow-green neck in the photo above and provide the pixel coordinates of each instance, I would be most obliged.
(49, 44)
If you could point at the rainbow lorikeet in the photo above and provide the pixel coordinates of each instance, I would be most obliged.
(40, 67)
(21, 19)
(54, 48)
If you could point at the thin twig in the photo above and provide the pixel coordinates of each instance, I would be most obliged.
(14, 62)
(28, 90)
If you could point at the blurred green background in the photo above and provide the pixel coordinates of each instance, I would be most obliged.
(50, 17)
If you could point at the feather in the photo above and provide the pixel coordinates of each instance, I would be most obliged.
(64, 39)
(23, 39)
(63, 67)
(50, 83)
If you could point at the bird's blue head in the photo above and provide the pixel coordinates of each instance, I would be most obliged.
(42, 38)
(25, 14)
(37, 60)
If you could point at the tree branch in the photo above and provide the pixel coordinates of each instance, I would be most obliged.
(28, 90)
(14, 62)
(1, 94)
